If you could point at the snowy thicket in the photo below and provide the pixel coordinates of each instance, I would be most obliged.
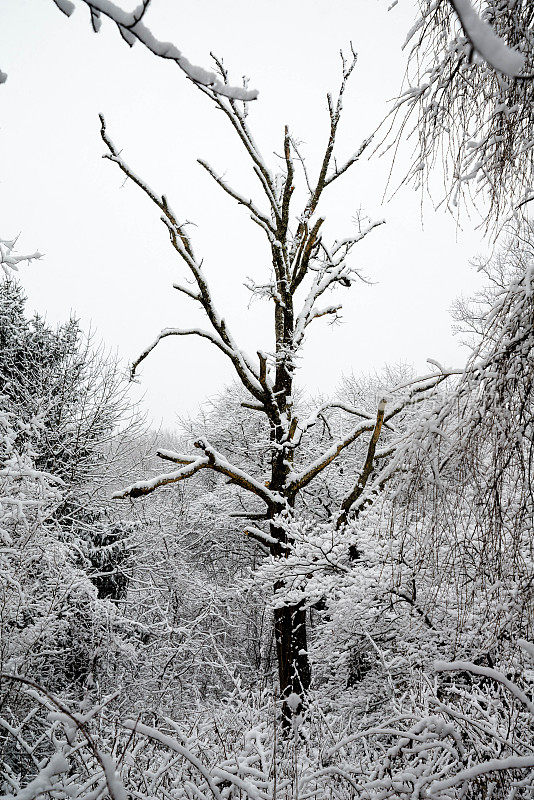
(419, 608)
(61, 547)
(469, 738)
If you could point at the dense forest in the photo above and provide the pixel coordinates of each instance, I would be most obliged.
(287, 595)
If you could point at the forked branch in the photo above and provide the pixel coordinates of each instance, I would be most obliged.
(223, 338)
(211, 459)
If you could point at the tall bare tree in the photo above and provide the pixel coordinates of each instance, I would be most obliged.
(305, 267)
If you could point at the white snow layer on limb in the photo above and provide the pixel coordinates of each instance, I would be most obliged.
(132, 28)
(8, 259)
(486, 42)
(115, 786)
(528, 647)
(146, 487)
(484, 768)
(44, 782)
(176, 747)
(487, 672)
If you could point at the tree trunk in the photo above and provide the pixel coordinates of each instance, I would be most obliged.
(294, 670)
(292, 653)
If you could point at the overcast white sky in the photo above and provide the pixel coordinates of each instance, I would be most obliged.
(108, 258)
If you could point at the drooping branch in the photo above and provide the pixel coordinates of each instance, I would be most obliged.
(472, 114)
(492, 674)
(419, 388)
(132, 28)
(175, 746)
(178, 332)
(488, 44)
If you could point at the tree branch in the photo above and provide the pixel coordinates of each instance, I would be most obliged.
(132, 28)
(302, 479)
(245, 371)
(211, 459)
(353, 496)
(352, 160)
(178, 332)
(236, 196)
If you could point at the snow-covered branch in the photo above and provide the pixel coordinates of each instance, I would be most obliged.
(141, 488)
(211, 459)
(300, 480)
(303, 427)
(9, 261)
(469, 84)
(338, 171)
(491, 674)
(132, 28)
(350, 499)
(256, 213)
(223, 339)
(179, 332)
(487, 43)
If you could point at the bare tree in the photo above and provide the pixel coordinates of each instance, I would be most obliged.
(305, 267)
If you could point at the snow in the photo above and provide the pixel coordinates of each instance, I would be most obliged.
(175, 746)
(528, 647)
(115, 786)
(132, 27)
(294, 701)
(493, 674)
(43, 782)
(65, 6)
(492, 765)
(486, 42)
